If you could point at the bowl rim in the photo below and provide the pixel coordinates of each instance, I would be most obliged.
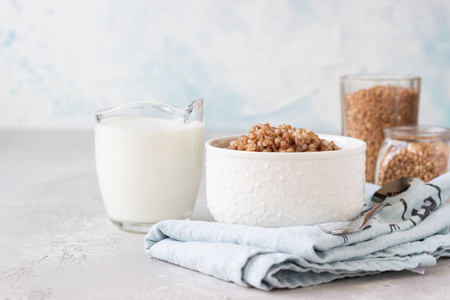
(358, 148)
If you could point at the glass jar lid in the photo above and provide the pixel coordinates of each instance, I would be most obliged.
(418, 132)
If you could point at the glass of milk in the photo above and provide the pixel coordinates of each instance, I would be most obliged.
(149, 162)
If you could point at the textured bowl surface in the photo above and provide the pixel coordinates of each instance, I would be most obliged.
(285, 189)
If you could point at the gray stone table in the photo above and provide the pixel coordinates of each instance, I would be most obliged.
(56, 241)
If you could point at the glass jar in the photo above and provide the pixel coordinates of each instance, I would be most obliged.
(413, 151)
(371, 103)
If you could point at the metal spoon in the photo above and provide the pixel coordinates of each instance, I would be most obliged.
(392, 191)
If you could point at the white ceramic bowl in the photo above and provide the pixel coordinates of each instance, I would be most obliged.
(285, 189)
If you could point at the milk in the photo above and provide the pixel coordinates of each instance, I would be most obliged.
(148, 169)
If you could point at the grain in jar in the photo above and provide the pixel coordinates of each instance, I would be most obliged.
(371, 103)
(413, 151)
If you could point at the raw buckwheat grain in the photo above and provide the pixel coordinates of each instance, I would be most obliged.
(368, 111)
(413, 159)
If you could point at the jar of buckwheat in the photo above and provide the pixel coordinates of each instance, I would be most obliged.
(413, 151)
(371, 103)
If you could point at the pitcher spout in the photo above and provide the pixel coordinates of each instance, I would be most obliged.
(194, 112)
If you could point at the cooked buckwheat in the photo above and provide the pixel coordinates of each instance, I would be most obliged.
(284, 138)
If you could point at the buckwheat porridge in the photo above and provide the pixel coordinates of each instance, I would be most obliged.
(284, 138)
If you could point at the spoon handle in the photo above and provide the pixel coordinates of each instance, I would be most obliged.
(357, 224)
(369, 215)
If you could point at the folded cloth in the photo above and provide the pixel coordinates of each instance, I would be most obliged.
(413, 232)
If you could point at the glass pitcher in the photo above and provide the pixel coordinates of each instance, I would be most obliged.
(149, 162)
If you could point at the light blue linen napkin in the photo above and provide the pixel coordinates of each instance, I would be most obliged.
(411, 233)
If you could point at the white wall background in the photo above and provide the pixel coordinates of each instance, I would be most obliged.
(252, 61)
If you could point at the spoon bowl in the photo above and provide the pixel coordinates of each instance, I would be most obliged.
(396, 189)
